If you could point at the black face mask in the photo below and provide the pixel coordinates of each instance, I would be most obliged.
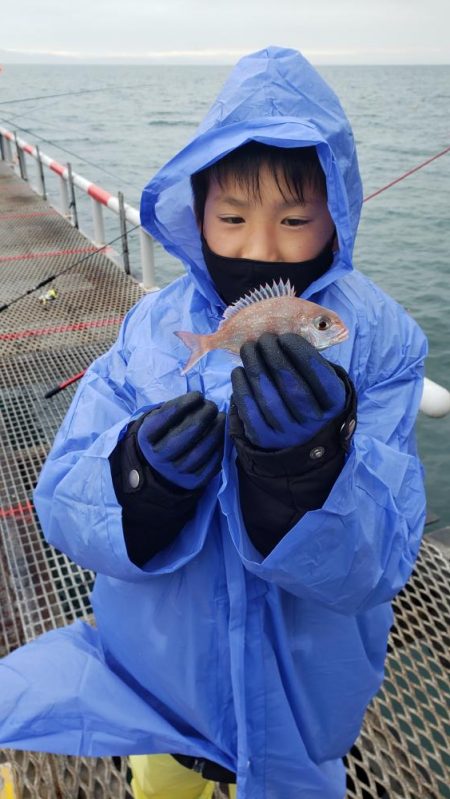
(234, 277)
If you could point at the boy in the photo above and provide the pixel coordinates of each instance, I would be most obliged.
(247, 537)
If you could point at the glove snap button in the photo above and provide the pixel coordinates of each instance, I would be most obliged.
(351, 427)
(134, 478)
(348, 428)
(316, 453)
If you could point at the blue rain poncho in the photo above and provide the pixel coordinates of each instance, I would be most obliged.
(263, 665)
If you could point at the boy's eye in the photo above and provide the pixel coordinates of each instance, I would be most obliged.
(232, 220)
(294, 222)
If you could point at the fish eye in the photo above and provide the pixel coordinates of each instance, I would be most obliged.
(322, 322)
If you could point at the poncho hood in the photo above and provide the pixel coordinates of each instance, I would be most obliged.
(276, 97)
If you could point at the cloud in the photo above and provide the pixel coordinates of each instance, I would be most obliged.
(323, 55)
(201, 31)
(131, 54)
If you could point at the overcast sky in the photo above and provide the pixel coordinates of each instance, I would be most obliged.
(209, 31)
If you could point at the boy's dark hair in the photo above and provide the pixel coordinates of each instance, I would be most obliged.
(293, 168)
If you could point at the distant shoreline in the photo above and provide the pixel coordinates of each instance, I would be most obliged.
(6, 61)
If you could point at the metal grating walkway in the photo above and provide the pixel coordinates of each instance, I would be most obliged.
(40, 346)
(402, 752)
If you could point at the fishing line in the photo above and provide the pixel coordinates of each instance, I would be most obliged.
(63, 271)
(70, 152)
(50, 96)
(29, 112)
(70, 94)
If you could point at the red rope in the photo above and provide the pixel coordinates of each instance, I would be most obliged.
(410, 172)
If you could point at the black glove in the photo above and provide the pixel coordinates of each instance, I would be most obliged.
(183, 439)
(286, 392)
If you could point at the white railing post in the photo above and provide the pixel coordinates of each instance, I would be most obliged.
(64, 197)
(24, 168)
(40, 175)
(21, 159)
(73, 201)
(99, 228)
(147, 260)
(8, 150)
(124, 234)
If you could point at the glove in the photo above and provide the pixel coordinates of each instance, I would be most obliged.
(183, 439)
(286, 392)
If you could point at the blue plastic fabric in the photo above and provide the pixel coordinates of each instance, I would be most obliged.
(263, 665)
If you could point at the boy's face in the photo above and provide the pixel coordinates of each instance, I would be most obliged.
(269, 228)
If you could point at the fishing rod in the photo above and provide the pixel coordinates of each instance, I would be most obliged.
(67, 269)
(406, 174)
(74, 378)
(64, 384)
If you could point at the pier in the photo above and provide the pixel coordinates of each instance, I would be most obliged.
(62, 300)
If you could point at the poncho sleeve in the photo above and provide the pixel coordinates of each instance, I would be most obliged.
(75, 497)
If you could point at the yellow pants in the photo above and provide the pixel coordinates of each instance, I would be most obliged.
(161, 777)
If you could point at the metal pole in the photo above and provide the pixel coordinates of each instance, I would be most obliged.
(99, 228)
(2, 149)
(8, 148)
(73, 203)
(21, 159)
(23, 165)
(147, 261)
(18, 154)
(64, 196)
(41, 177)
(123, 231)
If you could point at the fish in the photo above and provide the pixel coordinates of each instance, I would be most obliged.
(267, 309)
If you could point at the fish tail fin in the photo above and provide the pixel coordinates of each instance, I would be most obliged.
(197, 343)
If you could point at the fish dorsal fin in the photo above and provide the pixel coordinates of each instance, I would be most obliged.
(266, 292)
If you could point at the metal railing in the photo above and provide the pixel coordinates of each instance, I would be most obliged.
(68, 179)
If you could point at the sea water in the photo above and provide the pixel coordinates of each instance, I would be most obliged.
(117, 125)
